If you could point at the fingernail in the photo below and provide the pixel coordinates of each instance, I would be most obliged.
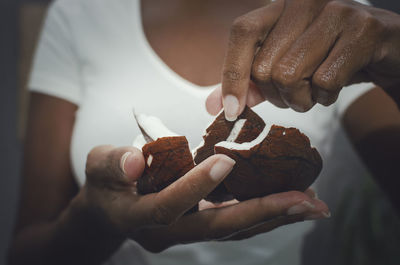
(231, 107)
(300, 208)
(315, 195)
(326, 214)
(322, 95)
(123, 160)
(315, 216)
(221, 168)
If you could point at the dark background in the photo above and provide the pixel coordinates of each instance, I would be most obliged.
(10, 146)
(14, 48)
(12, 103)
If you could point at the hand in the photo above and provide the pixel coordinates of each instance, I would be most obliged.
(110, 202)
(302, 52)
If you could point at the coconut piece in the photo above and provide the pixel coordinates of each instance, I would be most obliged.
(237, 127)
(267, 161)
(166, 154)
(139, 141)
(166, 160)
(246, 128)
(152, 127)
(278, 161)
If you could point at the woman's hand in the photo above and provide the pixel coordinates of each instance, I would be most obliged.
(110, 203)
(301, 52)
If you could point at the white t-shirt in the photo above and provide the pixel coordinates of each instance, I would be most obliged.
(94, 53)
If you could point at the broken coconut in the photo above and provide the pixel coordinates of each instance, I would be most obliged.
(278, 161)
(266, 163)
(247, 127)
(167, 155)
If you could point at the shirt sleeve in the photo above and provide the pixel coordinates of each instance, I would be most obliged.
(55, 69)
(349, 94)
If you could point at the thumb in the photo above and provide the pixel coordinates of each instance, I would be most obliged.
(107, 165)
(132, 164)
(214, 102)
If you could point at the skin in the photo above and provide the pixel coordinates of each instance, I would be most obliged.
(375, 135)
(61, 224)
(204, 42)
(298, 60)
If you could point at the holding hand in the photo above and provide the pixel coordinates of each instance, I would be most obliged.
(110, 202)
(302, 52)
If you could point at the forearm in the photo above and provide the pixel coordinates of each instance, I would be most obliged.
(372, 123)
(380, 152)
(394, 93)
(73, 238)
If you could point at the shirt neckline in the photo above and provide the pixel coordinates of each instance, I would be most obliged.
(161, 65)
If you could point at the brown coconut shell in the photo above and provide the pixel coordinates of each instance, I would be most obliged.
(219, 131)
(283, 161)
(166, 160)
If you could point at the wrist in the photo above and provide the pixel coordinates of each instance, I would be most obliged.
(88, 221)
(83, 234)
(394, 92)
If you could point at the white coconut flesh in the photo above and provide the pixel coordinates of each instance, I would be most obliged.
(237, 127)
(194, 150)
(205, 134)
(139, 142)
(149, 160)
(153, 126)
(245, 145)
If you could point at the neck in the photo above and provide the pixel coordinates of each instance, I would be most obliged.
(212, 9)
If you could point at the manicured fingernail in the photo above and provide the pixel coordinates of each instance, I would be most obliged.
(221, 168)
(123, 160)
(315, 216)
(231, 107)
(300, 208)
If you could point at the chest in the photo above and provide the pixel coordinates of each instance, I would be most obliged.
(195, 54)
(191, 36)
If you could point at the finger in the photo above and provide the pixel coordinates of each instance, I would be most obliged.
(255, 96)
(311, 193)
(114, 166)
(323, 96)
(346, 60)
(256, 211)
(223, 222)
(214, 100)
(289, 27)
(275, 223)
(270, 92)
(298, 96)
(247, 33)
(264, 227)
(298, 212)
(294, 70)
(172, 202)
